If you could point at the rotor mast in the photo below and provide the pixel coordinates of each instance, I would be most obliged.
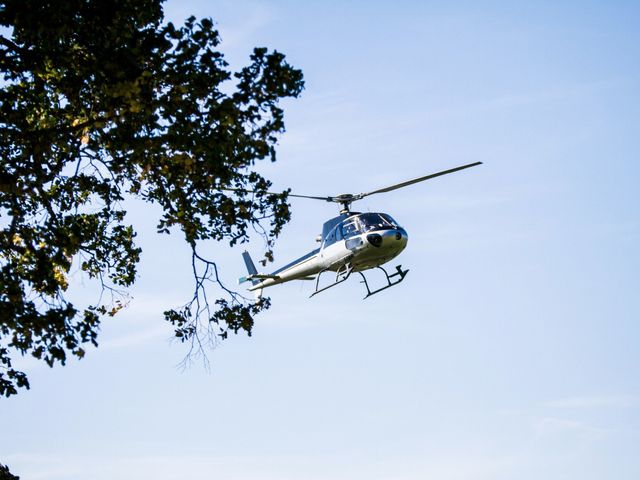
(345, 200)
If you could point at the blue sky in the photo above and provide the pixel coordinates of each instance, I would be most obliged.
(510, 350)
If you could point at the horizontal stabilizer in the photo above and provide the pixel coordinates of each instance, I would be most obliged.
(257, 277)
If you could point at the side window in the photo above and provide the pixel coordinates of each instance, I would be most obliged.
(338, 234)
(331, 238)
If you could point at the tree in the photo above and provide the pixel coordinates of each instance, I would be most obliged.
(5, 474)
(101, 101)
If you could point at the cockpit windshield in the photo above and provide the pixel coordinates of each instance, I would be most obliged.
(367, 221)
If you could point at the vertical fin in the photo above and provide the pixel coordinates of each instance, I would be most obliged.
(251, 268)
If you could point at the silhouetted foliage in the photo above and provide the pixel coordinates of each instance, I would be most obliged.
(5, 474)
(104, 100)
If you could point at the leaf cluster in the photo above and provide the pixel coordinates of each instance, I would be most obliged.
(5, 474)
(102, 101)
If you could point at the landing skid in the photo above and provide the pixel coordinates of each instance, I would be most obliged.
(390, 282)
(341, 275)
(344, 273)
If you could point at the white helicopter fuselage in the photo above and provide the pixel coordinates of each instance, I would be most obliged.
(349, 243)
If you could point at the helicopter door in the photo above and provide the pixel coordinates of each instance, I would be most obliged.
(329, 239)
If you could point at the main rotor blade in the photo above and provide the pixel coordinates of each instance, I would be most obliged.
(416, 180)
(326, 199)
(347, 198)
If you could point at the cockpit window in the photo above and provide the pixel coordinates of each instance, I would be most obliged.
(350, 227)
(389, 219)
(367, 221)
(375, 221)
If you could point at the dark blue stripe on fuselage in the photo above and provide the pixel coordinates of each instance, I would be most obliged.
(295, 262)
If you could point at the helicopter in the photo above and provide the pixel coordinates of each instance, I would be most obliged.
(352, 242)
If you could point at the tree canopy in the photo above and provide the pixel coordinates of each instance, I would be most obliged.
(105, 100)
(5, 474)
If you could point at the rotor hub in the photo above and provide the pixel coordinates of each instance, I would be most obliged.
(345, 200)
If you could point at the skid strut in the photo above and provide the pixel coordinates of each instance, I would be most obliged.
(341, 275)
(390, 282)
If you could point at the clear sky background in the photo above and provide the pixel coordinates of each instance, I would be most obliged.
(511, 350)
